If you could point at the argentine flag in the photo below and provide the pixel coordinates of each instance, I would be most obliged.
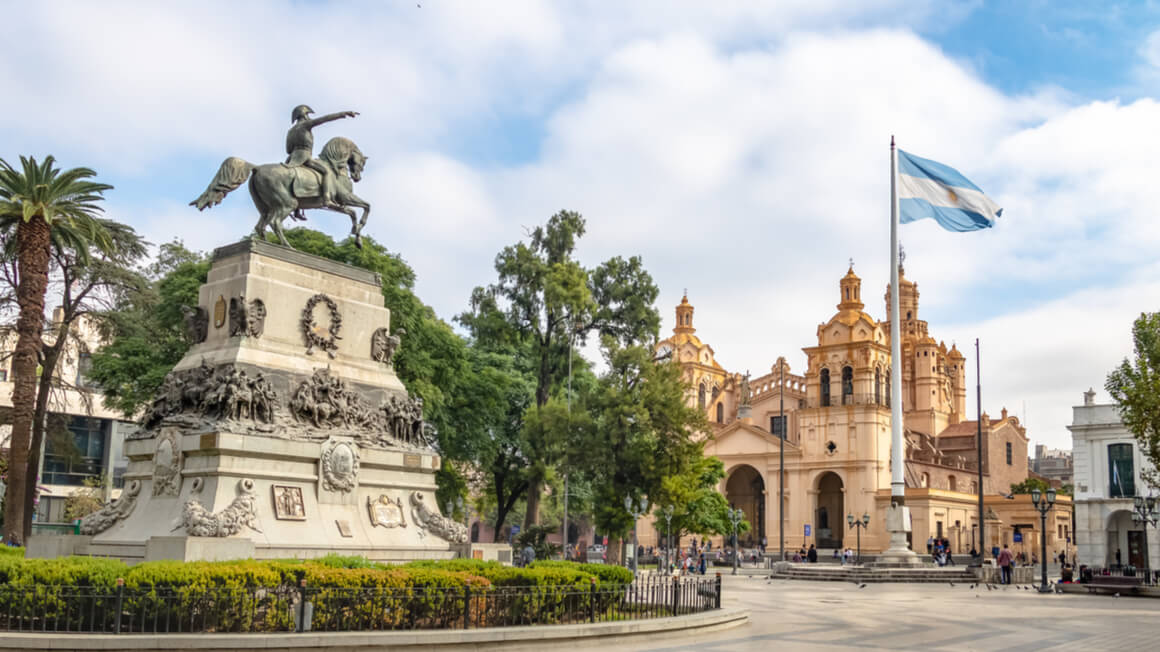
(930, 189)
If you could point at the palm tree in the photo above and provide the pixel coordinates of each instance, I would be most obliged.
(37, 200)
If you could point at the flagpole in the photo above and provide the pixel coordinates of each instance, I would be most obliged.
(897, 475)
(979, 450)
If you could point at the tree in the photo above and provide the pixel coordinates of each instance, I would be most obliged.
(549, 303)
(1135, 387)
(86, 283)
(144, 331)
(42, 204)
(698, 508)
(642, 432)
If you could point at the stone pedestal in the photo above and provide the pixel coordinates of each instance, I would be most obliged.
(899, 554)
(284, 431)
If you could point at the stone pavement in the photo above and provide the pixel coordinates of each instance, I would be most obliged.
(794, 615)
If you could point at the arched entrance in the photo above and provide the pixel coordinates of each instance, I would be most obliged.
(830, 515)
(745, 490)
(1126, 537)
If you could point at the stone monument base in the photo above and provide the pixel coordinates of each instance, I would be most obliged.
(284, 432)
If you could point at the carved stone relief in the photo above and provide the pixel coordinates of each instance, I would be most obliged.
(247, 319)
(227, 393)
(431, 521)
(288, 503)
(326, 401)
(313, 333)
(196, 323)
(105, 517)
(384, 345)
(339, 460)
(198, 521)
(386, 512)
(167, 465)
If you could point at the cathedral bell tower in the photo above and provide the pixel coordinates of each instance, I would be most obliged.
(685, 316)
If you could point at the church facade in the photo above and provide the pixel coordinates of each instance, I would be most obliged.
(835, 420)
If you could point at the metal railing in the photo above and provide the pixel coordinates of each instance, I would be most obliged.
(1092, 574)
(156, 610)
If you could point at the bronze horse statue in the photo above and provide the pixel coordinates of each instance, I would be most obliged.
(280, 191)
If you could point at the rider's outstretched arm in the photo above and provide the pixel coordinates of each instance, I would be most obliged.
(331, 117)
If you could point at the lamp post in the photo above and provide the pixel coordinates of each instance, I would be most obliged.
(861, 525)
(635, 510)
(735, 516)
(667, 512)
(1147, 513)
(1043, 506)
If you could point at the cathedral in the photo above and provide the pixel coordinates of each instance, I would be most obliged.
(834, 419)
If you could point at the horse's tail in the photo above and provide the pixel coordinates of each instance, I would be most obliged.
(229, 176)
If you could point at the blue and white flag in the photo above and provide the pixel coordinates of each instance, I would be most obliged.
(927, 188)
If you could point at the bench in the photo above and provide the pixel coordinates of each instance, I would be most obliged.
(1118, 584)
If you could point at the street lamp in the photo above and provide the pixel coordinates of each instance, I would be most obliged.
(667, 512)
(1043, 506)
(735, 517)
(635, 510)
(1147, 513)
(861, 525)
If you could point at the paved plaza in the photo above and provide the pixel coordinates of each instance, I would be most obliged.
(791, 615)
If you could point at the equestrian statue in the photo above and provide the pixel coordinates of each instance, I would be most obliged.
(282, 190)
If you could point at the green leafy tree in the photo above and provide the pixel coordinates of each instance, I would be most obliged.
(1135, 387)
(546, 300)
(88, 283)
(642, 432)
(42, 205)
(144, 330)
(698, 508)
(1029, 484)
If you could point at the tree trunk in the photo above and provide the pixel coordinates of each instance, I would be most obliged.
(39, 423)
(33, 249)
(612, 552)
(532, 511)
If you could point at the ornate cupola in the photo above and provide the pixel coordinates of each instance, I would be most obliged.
(685, 316)
(851, 291)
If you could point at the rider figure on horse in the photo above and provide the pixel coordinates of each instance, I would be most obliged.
(300, 147)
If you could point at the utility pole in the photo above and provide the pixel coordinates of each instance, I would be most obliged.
(781, 465)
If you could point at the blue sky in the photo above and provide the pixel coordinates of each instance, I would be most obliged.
(739, 147)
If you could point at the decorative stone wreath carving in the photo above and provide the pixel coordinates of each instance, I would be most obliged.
(310, 327)
(167, 465)
(197, 521)
(427, 519)
(386, 512)
(105, 517)
(340, 460)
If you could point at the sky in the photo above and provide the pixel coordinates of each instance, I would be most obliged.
(740, 148)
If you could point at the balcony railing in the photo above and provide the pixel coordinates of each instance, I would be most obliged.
(837, 400)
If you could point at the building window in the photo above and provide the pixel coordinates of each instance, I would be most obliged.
(701, 397)
(877, 386)
(777, 426)
(1121, 475)
(1008, 453)
(951, 484)
(825, 387)
(84, 366)
(720, 413)
(847, 385)
(888, 387)
(925, 480)
(69, 462)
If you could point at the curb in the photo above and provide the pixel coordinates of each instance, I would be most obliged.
(507, 638)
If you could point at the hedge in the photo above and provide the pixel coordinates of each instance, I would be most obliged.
(347, 592)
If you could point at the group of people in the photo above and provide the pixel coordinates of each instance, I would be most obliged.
(940, 551)
(803, 555)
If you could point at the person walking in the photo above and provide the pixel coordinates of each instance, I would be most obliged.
(1005, 560)
(812, 555)
(702, 564)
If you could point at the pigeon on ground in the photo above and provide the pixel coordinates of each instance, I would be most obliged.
(862, 586)
(1116, 595)
(974, 585)
(951, 583)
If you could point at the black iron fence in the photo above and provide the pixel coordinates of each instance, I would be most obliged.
(1142, 576)
(285, 608)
